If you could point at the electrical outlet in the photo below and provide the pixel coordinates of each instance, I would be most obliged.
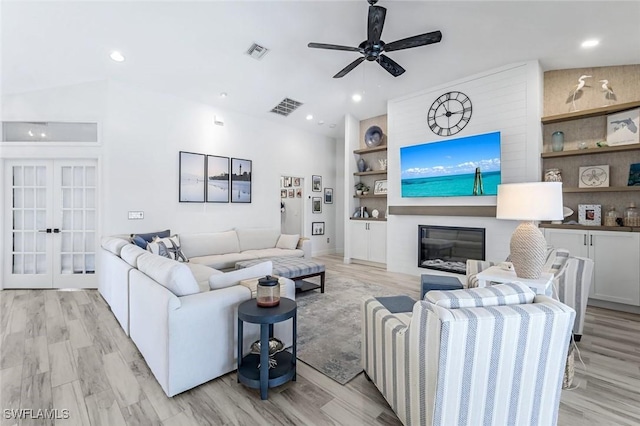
(328, 239)
(136, 215)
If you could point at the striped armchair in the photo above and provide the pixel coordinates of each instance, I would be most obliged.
(491, 356)
(571, 280)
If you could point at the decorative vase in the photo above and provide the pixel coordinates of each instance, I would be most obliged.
(358, 191)
(557, 141)
(362, 166)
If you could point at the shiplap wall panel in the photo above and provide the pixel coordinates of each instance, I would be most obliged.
(507, 100)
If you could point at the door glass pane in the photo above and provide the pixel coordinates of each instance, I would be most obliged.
(41, 176)
(29, 264)
(29, 242)
(66, 242)
(66, 176)
(29, 220)
(89, 264)
(18, 198)
(78, 176)
(78, 198)
(41, 264)
(66, 198)
(17, 264)
(17, 176)
(78, 242)
(41, 219)
(78, 263)
(41, 242)
(89, 242)
(18, 239)
(90, 220)
(90, 176)
(65, 264)
(77, 220)
(41, 198)
(29, 198)
(66, 219)
(18, 220)
(90, 201)
(29, 176)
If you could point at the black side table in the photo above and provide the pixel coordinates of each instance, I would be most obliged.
(265, 377)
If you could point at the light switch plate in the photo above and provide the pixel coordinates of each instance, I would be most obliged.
(137, 215)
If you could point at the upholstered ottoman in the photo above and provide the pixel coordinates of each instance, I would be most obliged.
(295, 268)
(438, 282)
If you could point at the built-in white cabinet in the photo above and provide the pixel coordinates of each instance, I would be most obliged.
(369, 240)
(616, 259)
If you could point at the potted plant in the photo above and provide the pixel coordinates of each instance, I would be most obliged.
(365, 190)
(360, 188)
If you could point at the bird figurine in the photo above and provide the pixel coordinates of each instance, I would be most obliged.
(578, 88)
(606, 87)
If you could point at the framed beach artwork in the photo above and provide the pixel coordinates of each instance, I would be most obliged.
(240, 180)
(316, 183)
(594, 176)
(217, 179)
(623, 128)
(316, 205)
(634, 174)
(191, 188)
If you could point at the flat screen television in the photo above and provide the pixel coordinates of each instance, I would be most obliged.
(468, 166)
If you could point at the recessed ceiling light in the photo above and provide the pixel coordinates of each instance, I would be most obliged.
(357, 97)
(309, 117)
(332, 125)
(590, 43)
(30, 133)
(320, 123)
(116, 56)
(43, 135)
(223, 94)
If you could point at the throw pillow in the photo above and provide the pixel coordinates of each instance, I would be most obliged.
(495, 295)
(228, 279)
(289, 242)
(167, 247)
(141, 240)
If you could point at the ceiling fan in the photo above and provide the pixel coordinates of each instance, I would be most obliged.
(372, 48)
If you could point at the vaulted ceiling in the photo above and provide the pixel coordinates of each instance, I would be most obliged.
(196, 50)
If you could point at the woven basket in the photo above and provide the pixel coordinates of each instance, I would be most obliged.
(569, 370)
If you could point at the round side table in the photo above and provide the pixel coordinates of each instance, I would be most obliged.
(264, 377)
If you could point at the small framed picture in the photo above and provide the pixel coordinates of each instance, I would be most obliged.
(192, 172)
(298, 192)
(283, 193)
(287, 181)
(594, 177)
(296, 181)
(328, 195)
(291, 193)
(634, 174)
(316, 205)
(317, 228)
(622, 127)
(240, 180)
(316, 183)
(589, 214)
(380, 187)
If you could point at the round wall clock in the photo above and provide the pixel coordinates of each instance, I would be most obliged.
(449, 113)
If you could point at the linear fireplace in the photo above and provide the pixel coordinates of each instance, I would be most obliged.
(447, 248)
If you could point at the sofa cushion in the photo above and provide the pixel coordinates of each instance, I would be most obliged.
(288, 241)
(222, 261)
(209, 243)
(130, 254)
(234, 277)
(141, 240)
(202, 273)
(113, 244)
(175, 276)
(257, 238)
(496, 295)
(167, 247)
(273, 252)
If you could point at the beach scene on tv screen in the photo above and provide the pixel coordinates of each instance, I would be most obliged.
(468, 166)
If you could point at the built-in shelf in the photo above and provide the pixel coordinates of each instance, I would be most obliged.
(589, 228)
(371, 196)
(370, 219)
(372, 172)
(603, 150)
(590, 112)
(368, 150)
(604, 189)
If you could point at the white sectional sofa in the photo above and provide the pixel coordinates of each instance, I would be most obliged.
(183, 316)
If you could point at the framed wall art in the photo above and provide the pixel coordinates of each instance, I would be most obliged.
(380, 187)
(296, 181)
(191, 188)
(298, 192)
(240, 180)
(316, 183)
(217, 179)
(593, 177)
(317, 228)
(291, 193)
(316, 205)
(623, 128)
(287, 181)
(328, 195)
(283, 193)
(634, 174)
(589, 214)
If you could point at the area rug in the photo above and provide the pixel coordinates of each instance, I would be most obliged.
(329, 325)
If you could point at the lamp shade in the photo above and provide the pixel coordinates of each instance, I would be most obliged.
(530, 201)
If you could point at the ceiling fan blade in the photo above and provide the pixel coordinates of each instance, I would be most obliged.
(333, 47)
(349, 67)
(415, 41)
(390, 65)
(376, 23)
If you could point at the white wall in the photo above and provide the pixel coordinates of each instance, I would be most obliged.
(142, 133)
(508, 100)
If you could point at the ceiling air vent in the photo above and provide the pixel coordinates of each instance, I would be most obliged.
(286, 107)
(256, 51)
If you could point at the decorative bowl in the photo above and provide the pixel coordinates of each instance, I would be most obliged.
(373, 136)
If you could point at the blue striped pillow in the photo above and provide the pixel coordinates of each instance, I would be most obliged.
(497, 295)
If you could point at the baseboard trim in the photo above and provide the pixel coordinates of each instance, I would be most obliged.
(614, 306)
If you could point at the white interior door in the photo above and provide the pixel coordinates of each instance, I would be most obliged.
(51, 226)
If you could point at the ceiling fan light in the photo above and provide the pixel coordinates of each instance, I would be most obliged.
(309, 117)
(357, 97)
(117, 56)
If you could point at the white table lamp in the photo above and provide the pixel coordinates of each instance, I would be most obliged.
(529, 202)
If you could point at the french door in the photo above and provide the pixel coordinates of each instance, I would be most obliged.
(50, 224)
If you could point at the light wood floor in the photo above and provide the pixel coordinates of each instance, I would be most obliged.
(65, 350)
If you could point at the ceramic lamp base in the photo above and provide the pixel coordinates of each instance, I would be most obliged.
(528, 249)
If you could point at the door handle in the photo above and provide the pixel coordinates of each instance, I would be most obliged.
(56, 230)
(48, 230)
(584, 240)
(590, 240)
